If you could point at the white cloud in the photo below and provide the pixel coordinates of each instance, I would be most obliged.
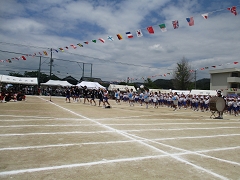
(53, 24)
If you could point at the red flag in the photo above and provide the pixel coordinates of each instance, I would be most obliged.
(235, 62)
(202, 68)
(233, 10)
(74, 47)
(23, 57)
(86, 42)
(150, 30)
(214, 66)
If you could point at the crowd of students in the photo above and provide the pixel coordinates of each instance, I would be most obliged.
(88, 95)
(175, 101)
(10, 95)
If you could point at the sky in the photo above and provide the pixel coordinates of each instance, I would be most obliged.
(28, 27)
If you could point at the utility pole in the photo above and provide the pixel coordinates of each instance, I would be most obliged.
(83, 70)
(39, 71)
(195, 78)
(51, 61)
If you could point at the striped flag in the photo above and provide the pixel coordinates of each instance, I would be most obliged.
(129, 35)
(119, 36)
(102, 40)
(190, 21)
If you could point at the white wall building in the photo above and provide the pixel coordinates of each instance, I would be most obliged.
(227, 80)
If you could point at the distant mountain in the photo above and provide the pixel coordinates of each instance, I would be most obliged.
(202, 84)
(163, 83)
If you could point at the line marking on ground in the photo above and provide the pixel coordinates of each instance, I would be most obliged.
(125, 134)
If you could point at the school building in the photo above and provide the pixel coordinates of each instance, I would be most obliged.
(227, 80)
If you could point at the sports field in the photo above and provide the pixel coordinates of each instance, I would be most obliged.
(40, 139)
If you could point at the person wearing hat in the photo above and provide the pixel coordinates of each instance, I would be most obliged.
(220, 114)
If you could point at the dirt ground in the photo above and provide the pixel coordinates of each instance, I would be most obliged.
(40, 139)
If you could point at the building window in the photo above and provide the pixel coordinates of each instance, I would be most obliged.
(235, 74)
(234, 85)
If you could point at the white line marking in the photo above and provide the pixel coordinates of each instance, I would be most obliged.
(119, 132)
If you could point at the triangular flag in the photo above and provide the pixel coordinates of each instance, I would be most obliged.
(129, 35)
(175, 24)
(80, 45)
(94, 40)
(23, 58)
(119, 36)
(205, 16)
(150, 30)
(233, 10)
(102, 40)
(190, 21)
(163, 27)
(139, 33)
(110, 38)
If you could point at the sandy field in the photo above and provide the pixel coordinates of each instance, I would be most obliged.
(46, 140)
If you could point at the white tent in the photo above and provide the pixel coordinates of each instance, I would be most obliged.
(203, 92)
(18, 80)
(57, 83)
(181, 92)
(122, 88)
(90, 85)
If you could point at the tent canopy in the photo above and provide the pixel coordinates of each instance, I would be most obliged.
(57, 83)
(18, 80)
(90, 85)
(203, 92)
(122, 88)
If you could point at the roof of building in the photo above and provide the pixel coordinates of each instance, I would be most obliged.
(227, 70)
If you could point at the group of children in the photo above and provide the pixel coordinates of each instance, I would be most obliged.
(88, 95)
(175, 101)
(10, 95)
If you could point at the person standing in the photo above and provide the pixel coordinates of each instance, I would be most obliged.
(146, 97)
(68, 94)
(175, 99)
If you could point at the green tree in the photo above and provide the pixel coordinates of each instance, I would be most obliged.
(149, 84)
(182, 77)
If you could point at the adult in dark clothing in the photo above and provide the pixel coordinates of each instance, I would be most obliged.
(100, 96)
(68, 94)
(85, 94)
(92, 95)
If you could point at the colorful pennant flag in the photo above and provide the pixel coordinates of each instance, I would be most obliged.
(214, 66)
(45, 52)
(190, 21)
(102, 40)
(110, 38)
(205, 16)
(129, 35)
(163, 27)
(233, 10)
(40, 53)
(74, 47)
(86, 42)
(94, 40)
(80, 45)
(24, 58)
(119, 36)
(175, 24)
(61, 49)
(235, 62)
(150, 30)
(139, 33)
(56, 50)
(66, 47)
